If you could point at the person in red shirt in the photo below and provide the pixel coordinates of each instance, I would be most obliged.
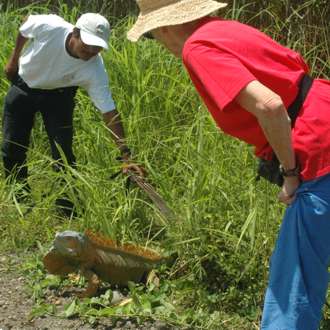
(260, 92)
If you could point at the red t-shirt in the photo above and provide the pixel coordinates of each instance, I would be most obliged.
(223, 56)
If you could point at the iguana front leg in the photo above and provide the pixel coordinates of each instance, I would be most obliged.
(93, 284)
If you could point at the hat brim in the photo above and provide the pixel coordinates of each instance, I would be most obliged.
(92, 40)
(178, 13)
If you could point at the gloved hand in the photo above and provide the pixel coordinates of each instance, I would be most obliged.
(129, 167)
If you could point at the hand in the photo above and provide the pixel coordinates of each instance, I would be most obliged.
(137, 169)
(11, 70)
(287, 194)
(128, 166)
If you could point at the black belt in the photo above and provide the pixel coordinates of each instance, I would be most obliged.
(304, 86)
(21, 84)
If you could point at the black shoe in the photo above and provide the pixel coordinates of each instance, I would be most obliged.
(66, 208)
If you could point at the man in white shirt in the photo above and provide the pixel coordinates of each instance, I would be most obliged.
(59, 58)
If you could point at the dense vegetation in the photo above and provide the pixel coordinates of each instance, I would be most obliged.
(226, 222)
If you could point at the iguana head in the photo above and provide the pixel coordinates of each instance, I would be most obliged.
(69, 243)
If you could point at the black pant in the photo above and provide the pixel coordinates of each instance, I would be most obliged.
(21, 104)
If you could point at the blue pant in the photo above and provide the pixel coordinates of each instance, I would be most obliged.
(299, 265)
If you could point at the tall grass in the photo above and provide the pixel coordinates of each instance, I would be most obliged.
(111, 8)
(226, 222)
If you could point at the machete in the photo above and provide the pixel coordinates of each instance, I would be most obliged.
(153, 195)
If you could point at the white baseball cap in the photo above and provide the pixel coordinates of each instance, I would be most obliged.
(94, 29)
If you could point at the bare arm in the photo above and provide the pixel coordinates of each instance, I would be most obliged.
(11, 67)
(272, 116)
(113, 122)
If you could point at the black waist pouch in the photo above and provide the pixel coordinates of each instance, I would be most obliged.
(270, 169)
(21, 84)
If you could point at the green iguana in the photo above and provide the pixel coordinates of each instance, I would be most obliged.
(99, 259)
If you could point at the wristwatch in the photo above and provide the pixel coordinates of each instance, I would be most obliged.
(290, 172)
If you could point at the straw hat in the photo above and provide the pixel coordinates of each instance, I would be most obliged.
(157, 13)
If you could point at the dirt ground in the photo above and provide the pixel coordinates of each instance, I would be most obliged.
(15, 307)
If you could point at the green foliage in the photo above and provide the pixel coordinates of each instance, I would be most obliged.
(226, 222)
(300, 25)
